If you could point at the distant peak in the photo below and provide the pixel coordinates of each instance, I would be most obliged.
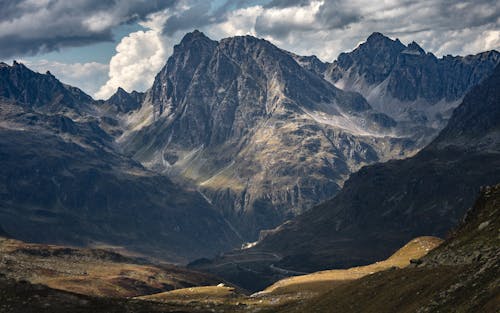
(121, 90)
(193, 36)
(376, 36)
(413, 46)
(378, 40)
(18, 64)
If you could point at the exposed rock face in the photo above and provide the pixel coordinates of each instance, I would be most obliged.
(407, 83)
(61, 181)
(41, 92)
(125, 102)
(426, 194)
(259, 135)
(384, 205)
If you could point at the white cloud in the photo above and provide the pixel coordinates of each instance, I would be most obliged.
(87, 76)
(139, 57)
(327, 28)
(324, 28)
(30, 27)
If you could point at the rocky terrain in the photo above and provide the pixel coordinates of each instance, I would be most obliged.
(262, 133)
(383, 206)
(63, 182)
(251, 135)
(413, 86)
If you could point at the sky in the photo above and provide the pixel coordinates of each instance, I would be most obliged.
(100, 45)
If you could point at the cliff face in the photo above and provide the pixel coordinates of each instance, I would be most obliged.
(382, 206)
(426, 194)
(407, 83)
(259, 135)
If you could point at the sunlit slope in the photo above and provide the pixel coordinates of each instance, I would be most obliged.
(318, 281)
(93, 272)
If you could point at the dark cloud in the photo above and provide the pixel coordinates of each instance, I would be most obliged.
(337, 15)
(333, 14)
(197, 16)
(201, 13)
(286, 3)
(30, 27)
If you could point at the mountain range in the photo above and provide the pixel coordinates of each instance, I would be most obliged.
(264, 134)
(384, 205)
(63, 181)
(234, 137)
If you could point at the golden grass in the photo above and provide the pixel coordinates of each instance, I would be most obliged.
(318, 281)
(207, 293)
(82, 271)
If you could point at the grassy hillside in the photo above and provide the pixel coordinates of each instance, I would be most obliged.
(93, 272)
(461, 275)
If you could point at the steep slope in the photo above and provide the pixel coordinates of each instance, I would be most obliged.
(461, 275)
(412, 86)
(383, 206)
(260, 136)
(43, 93)
(62, 181)
(125, 102)
(425, 194)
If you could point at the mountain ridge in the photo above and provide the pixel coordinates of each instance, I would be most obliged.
(426, 194)
(64, 182)
(227, 116)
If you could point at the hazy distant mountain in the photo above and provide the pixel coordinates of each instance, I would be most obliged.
(259, 135)
(61, 180)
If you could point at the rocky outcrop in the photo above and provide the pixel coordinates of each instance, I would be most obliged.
(41, 92)
(260, 136)
(125, 102)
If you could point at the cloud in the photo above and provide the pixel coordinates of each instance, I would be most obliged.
(321, 27)
(139, 56)
(326, 28)
(87, 76)
(29, 27)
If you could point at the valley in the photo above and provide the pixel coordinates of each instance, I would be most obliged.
(248, 178)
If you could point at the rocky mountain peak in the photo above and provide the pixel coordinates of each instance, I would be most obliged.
(124, 101)
(414, 47)
(379, 40)
(377, 37)
(230, 117)
(41, 91)
(194, 38)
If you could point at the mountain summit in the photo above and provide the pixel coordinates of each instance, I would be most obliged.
(258, 135)
(406, 83)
